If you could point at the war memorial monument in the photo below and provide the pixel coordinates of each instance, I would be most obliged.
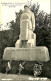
(25, 48)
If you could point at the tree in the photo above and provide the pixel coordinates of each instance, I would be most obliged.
(42, 28)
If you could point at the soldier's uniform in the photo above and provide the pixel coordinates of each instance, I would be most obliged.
(31, 16)
(27, 24)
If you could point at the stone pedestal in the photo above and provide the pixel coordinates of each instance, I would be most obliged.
(27, 54)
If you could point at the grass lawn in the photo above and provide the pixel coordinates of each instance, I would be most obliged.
(15, 77)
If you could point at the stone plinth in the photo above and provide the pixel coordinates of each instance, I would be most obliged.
(29, 44)
(28, 54)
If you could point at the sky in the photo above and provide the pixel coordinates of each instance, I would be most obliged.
(7, 10)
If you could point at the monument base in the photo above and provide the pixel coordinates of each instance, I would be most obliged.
(28, 44)
(27, 54)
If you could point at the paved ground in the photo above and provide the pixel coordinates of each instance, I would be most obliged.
(12, 77)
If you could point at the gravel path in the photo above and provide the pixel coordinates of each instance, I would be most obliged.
(14, 77)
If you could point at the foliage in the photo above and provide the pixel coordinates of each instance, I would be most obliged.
(28, 68)
(42, 28)
(6, 40)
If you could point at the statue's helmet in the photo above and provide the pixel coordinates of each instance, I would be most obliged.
(26, 6)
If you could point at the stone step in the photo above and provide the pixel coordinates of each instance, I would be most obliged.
(27, 54)
(26, 44)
